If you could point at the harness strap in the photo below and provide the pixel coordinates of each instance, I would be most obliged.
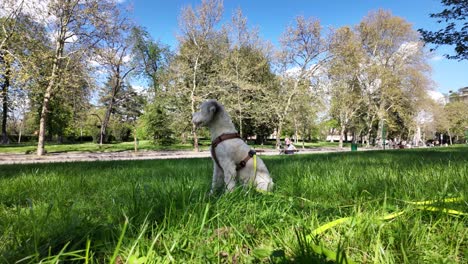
(218, 140)
(250, 155)
(221, 138)
(224, 137)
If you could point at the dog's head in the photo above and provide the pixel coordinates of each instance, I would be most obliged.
(208, 111)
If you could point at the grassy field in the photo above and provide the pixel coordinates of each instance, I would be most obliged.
(93, 147)
(158, 211)
(125, 146)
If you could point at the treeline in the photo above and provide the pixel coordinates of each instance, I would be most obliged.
(82, 68)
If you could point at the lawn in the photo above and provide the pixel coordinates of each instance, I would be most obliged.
(158, 211)
(126, 146)
(93, 147)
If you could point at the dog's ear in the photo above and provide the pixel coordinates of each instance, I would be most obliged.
(213, 107)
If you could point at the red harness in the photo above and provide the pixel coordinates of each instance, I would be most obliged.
(220, 139)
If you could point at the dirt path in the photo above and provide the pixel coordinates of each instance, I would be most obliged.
(9, 158)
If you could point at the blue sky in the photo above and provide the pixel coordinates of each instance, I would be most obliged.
(271, 17)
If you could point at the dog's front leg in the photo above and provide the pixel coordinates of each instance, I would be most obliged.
(217, 181)
(230, 177)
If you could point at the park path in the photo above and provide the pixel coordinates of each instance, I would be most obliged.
(12, 158)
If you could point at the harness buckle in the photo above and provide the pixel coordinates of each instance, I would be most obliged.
(252, 153)
(242, 164)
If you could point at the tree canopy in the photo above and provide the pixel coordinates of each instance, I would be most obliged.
(86, 74)
(455, 32)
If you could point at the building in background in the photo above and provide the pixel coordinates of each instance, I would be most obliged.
(460, 95)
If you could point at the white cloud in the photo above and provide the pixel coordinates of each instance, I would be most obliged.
(406, 51)
(424, 117)
(139, 89)
(71, 37)
(127, 58)
(93, 62)
(437, 96)
(437, 58)
(294, 72)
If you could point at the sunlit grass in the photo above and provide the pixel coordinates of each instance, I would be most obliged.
(30, 148)
(93, 147)
(158, 211)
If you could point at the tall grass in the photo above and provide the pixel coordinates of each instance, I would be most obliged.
(158, 211)
(29, 148)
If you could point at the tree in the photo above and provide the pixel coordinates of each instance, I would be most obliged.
(302, 54)
(456, 30)
(304, 113)
(454, 120)
(75, 27)
(113, 54)
(391, 53)
(152, 57)
(154, 124)
(245, 68)
(127, 111)
(5, 62)
(347, 56)
(19, 37)
(199, 50)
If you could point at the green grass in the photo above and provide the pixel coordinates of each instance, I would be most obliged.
(125, 146)
(93, 147)
(158, 211)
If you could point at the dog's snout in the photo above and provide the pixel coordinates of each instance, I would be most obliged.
(196, 119)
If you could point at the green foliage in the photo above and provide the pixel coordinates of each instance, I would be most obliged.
(158, 211)
(152, 57)
(455, 31)
(155, 125)
(229, 62)
(456, 115)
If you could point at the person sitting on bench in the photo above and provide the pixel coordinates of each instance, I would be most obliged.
(289, 147)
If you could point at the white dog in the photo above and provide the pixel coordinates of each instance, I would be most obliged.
(233, 158)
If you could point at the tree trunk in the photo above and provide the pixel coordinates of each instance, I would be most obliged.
(342, 130)
(20, 131)
(105, 122)
(239, 104)
(368, 136)
(42, 121)
(278, 134)
(100, 133)
(240, 112)
(114, 92)
(296, 133)
(285, 113)
(195, 139)
(48, 93)
(380, 134)
(196, 148)
(417, 135)
(450, 136)
(303, 137)
(370, 120)
(5, 86)
(135, 141)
